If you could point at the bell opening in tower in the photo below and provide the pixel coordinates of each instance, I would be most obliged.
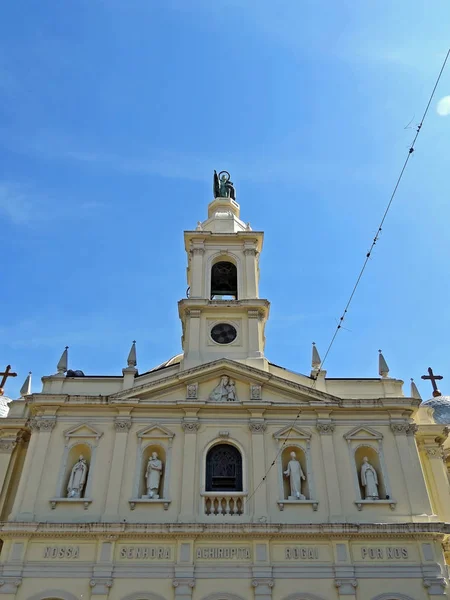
(224, 281)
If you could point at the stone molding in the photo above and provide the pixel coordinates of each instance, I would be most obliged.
(346, 585)
(122, 424)
(222, 596)
(412, 429)
(434, 451)
(255, 391)
(326, 428)
(435, 585)
(53, 594)
(263, 581)
(257, 426)
(143, 596)
(192, 391)
(99, 530)
(41, 424)
(400, 428)
(101, 585)
(194, 313)
(197, 251)
(190, 426)
(7, 445)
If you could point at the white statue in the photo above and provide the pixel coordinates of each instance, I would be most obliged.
(295, 474)
(231, 391)
(77, 478)
(220, 392)
(369, 479)
(153, 475)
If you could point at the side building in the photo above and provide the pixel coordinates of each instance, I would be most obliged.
(219, 475)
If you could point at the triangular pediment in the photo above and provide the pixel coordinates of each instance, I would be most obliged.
(83, 430)
(198, 383)
(292, 433)
(156, 431)
(363, 433)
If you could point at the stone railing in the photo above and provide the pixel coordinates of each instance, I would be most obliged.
(224, 503)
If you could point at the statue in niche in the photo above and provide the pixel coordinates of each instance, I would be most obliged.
(369, 480)
(77, 478)
(153, 476)
(223, 186)
(296, 475)
(225, 391)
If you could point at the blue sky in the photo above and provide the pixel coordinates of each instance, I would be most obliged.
(113, 116)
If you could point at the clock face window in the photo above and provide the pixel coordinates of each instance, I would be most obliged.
(223, 333)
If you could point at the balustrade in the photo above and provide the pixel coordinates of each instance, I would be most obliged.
(223, 503)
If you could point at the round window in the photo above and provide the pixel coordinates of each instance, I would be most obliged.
(223, 333)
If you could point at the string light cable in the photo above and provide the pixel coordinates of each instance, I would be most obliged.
(361, 272)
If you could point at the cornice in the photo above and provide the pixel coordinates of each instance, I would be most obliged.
(10, 530)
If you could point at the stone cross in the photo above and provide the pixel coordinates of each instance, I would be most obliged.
(7, 373)
(433, 378)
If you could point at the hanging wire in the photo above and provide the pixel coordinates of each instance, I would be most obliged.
(361, 272)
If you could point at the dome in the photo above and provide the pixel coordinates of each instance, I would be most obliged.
(441, 405)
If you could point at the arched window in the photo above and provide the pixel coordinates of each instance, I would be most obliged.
(223, 280)
(223, 469)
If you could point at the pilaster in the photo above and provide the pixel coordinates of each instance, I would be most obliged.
(251, 271)
(257, 428)
(430, 440)
(326, 427)
(183, 588)
(31, 476)
(190, 427)
(418, 498)
(344, 571)
(122, 425)
(197, 283)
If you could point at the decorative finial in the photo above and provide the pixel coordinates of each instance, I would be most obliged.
(316, 363)
(132, 362)
(6, 373)
(199, 226)
(25, 390)
(433, 378)
(414, 391)
(63, 361)
(223, 186)
(383, 368)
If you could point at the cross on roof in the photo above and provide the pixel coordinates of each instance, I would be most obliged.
(433, 378)
(6, 373)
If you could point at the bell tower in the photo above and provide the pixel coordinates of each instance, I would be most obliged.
(223, 315)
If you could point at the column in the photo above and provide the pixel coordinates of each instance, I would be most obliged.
(415, 486)
(188, 492)
(326, 430)
(122, 426)
(23, 509)
(257, 428)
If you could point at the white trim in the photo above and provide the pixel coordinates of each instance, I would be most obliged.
(393, 596)
(59, 594)
(211, 261)
(231, 442)
(222, 596)
(142, 596)
(301, 596)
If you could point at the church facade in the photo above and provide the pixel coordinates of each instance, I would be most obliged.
(218, 475)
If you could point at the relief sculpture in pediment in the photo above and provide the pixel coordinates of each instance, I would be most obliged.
(225, 391)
